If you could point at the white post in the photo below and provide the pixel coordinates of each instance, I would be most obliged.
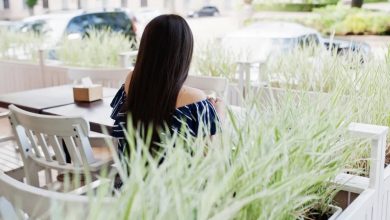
(123, 60)
(42, 65)
(378, 140)
(241, 76)
(125, 56)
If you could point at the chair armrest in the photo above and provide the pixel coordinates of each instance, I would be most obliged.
(4, 114)
(9, 137)
(93, 185)
(7, 210)
(6, 138)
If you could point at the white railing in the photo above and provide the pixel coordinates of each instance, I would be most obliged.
(18, 75)
(368, 205)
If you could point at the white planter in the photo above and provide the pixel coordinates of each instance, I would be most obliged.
(336, 212)
(368, 205)
(385, 195)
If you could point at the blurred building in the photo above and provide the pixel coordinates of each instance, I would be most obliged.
(17, 9)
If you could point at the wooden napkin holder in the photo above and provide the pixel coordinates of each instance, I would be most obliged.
(88, 93)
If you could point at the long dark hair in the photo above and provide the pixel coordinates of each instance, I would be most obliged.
(162, 65)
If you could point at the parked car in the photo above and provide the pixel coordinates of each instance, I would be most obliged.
(205, 11)
(77, 24)
(263, 39)
(9, 25)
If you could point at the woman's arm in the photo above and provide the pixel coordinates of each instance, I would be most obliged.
(219, 106)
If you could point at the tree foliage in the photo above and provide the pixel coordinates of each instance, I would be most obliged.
(31, 3)
(357, 3)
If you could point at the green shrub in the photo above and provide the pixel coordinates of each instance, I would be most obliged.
(19, 45)
(99, 49)
(212, 59)
(273, 162)
(345, 20)
(287, 5)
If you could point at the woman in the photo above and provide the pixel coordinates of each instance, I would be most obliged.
(155, 94)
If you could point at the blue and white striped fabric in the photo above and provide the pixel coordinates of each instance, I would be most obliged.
(195, 117)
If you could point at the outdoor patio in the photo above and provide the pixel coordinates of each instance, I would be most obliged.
(292, 124)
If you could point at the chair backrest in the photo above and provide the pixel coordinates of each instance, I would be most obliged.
(209, 84)
(37, 202)
(113, 78)
(43, 139)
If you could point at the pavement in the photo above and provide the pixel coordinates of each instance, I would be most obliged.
(209, 28)
(380, 6)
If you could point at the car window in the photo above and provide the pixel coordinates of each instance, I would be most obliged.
(116, 21)
(78, 24)
(307, 40)
(37, 27)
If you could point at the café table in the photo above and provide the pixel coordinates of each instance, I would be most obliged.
(39, 99)
(97, 113)
(59, 100)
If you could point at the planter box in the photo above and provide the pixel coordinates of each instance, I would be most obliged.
(336, 212)
(368, 205)
(385, 194)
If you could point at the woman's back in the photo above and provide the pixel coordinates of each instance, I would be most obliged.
(156, 96)
(193, 112)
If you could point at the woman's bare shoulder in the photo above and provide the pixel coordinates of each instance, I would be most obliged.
(127, 82)
(189, 95)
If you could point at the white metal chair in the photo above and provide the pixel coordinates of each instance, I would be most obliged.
(40, 139)
(209, 84)
(10, 160)
(7, 137)
(37, 202)
(113, 78)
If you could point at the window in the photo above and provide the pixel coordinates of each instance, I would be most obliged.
(116, 21)
(45, 3)
(6, 4)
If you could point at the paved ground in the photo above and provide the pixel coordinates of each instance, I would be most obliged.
(205, 29)
(212, 27)
(381, 6)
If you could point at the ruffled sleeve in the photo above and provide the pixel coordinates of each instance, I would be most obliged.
(117, 102)
(199, 116)
(120, 118)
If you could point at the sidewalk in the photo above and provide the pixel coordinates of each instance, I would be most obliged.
(381, 6)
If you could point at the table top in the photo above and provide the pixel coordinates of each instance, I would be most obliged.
(97, 112)
(39, 99)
